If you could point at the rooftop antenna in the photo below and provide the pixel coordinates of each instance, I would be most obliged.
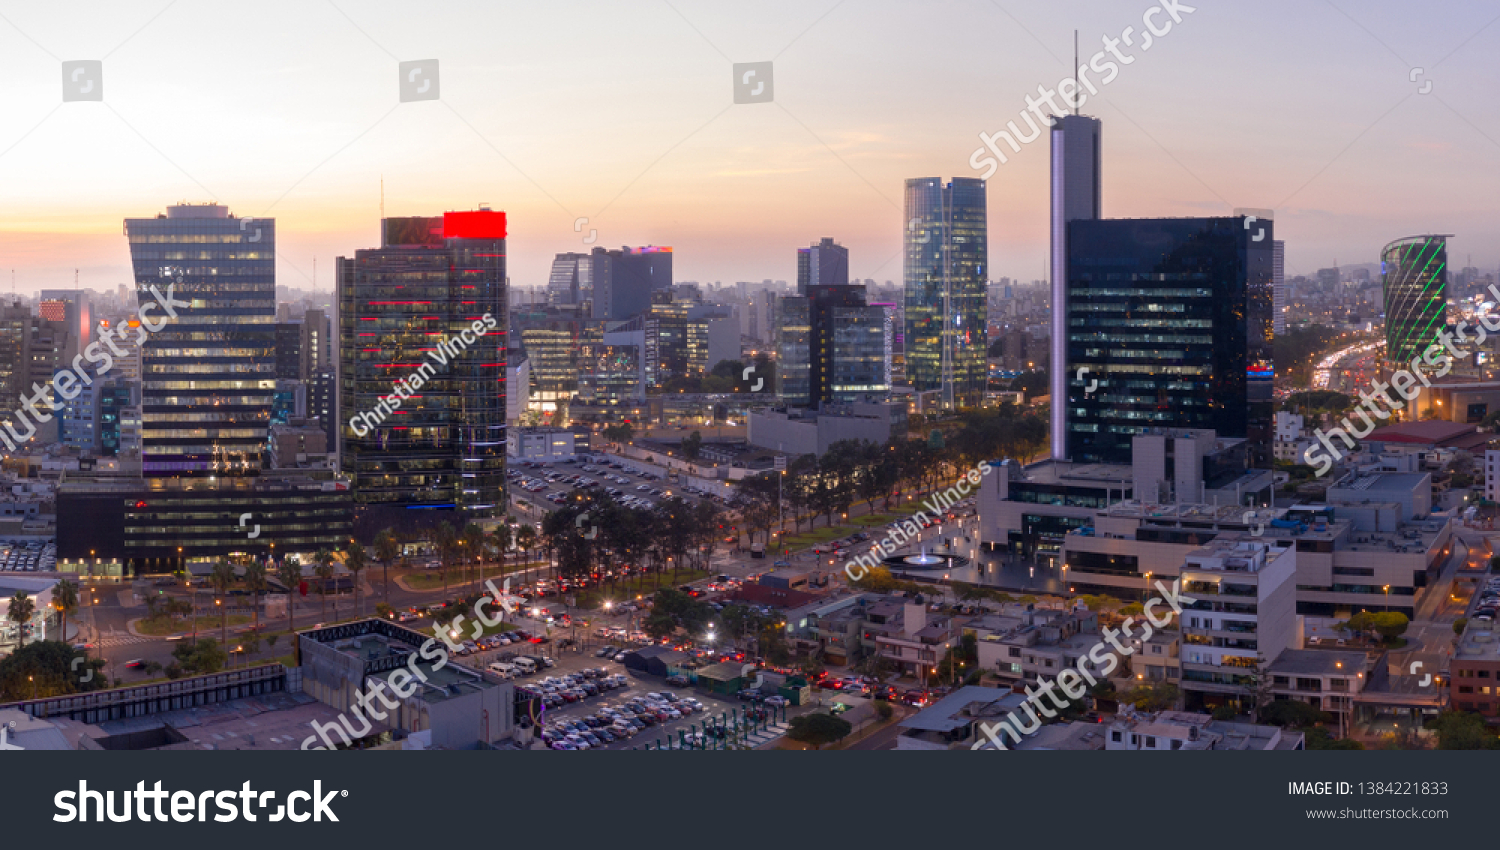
(382, 197)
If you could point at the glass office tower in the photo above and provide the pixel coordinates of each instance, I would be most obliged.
(1172, 317)
(1414, 275)
(945, 275)
(793, 349)
(208, 375)
(403, 308)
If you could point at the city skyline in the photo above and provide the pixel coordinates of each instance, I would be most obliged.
(307, 126)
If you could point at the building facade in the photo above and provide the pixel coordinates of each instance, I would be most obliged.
(408, 318)
(1172, 319)
(945, 270)
(1414, 281)
(208, 376)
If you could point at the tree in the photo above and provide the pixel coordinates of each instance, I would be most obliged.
(22, 607)
(692, 445)
(47, 668)
(202, 656)
(526, 539)
(621, 433)
(1460, 624)
(290, 574)
(1319, 738)
(1390, 624)
(65, 599)
(659, 625)
(1153, 696)
(1290, 713)
(255, 582)
(503, 538)
(356, 561)
(1458, 730)
(387, 549)
(445, 541)
(323, 569)
(472, 540)
(221, 578)
(818, 729)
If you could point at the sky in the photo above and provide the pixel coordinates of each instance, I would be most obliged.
(623, 113)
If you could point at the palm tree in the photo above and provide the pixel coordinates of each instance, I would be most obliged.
(526, 539)
(255, 582)
(355, 561)
(21, 609)
(290, 574)
(444, 540)
(503, 537)
(473, 538)
(323, 567)
(65, 598)
(387, 549)
(222, 578)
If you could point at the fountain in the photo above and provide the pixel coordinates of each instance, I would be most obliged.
(924, 562)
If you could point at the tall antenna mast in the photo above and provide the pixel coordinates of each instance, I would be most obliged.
(382, 197)
(1075, 72)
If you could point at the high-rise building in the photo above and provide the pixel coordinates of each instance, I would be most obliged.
(822, 264)
(316, 343)
(289, 355)
(1278, 287)
(571, 281)
(1172, 318)
(407, 326)
(794, 351)
(209, 374)
(625, 280)
(1414, 275)
(1077, 194)
(72, 307)
(945, 271)
(840, 355)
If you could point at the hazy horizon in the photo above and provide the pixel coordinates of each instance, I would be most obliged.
(624, 114)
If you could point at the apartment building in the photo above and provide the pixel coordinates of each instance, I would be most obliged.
(1243, 616)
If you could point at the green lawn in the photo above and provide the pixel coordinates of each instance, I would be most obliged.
(206, 623)
(635, 586)
(429, 580)
(824, 534)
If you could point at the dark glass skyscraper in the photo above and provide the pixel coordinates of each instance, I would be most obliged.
(945, 270)
(1172, 317)
(822, 264)
(1414, 276)
(207, 377)
(623, 281)
(1077, 193)
(406, 312)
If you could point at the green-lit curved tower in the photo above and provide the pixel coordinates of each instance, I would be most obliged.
(1414, 275)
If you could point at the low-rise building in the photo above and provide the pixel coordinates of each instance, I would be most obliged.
(1476, 671)
(1182, 730)
(541, 445)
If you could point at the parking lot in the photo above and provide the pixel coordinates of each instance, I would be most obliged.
(27, 556)
(632, 483)
(705, 709)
